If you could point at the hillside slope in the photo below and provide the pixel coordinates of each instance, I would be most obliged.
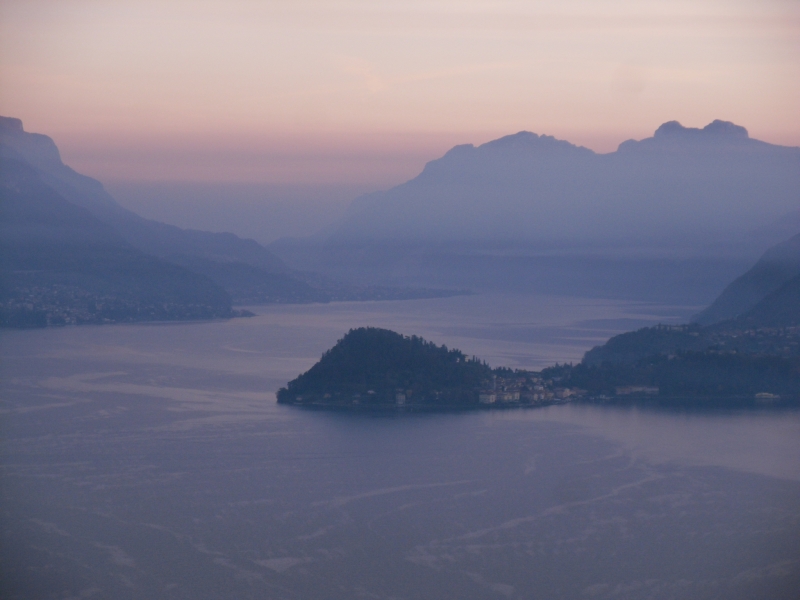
(59, 264)
(151, 237)
(373, 365)
(759, 313)
(775, 268)
(781, 308)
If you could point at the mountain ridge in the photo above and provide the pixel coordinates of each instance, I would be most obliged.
(534, 187)
(236, 269)
(60, 265)
(777, 266)
(152, 237)
(758, 313)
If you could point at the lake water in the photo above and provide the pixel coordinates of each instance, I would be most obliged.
(151, 461)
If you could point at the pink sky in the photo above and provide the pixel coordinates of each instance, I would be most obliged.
(366, 92)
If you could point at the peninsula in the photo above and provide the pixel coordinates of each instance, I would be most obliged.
(372, 368)
(378, 368)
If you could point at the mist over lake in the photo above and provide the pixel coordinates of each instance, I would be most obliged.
(151, 461)
(399, 300)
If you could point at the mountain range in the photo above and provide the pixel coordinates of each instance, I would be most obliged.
(680, 183)
(152, 237)
(60, 264)
(517, 213)
(71, 253)
(673, 217)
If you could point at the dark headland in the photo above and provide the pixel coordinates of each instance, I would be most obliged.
(373, 368)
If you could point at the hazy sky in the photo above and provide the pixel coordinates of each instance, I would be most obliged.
(366, 91)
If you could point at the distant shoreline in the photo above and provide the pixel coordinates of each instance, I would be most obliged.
(683, 404)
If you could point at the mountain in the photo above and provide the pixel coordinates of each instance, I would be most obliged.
(151, 237)
(671, 218)
(776, 267)
(753, 353)
(373, 366)
(34, 213)
(249, 285)
(59, 264)
(223, 257)
(247, 271)
(537, 189)
(758, 313)
(765, 334)
(780, 308)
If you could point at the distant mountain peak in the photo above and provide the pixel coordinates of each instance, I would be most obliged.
(515, 138)
(10, 124)
(34, 148)
(715, 128)
(682, 183)
(528, 140)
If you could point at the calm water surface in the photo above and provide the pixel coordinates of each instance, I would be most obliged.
(152, 462)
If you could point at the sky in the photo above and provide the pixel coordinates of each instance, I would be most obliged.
(364, 92)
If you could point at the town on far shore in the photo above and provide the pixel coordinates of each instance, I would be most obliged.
(521, 387)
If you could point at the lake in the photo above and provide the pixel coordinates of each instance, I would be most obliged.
(151, 461)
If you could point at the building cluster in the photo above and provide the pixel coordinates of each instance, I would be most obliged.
(36, 306)
(525, 389)
(627, 390)
(40, 306)
(773, 341)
